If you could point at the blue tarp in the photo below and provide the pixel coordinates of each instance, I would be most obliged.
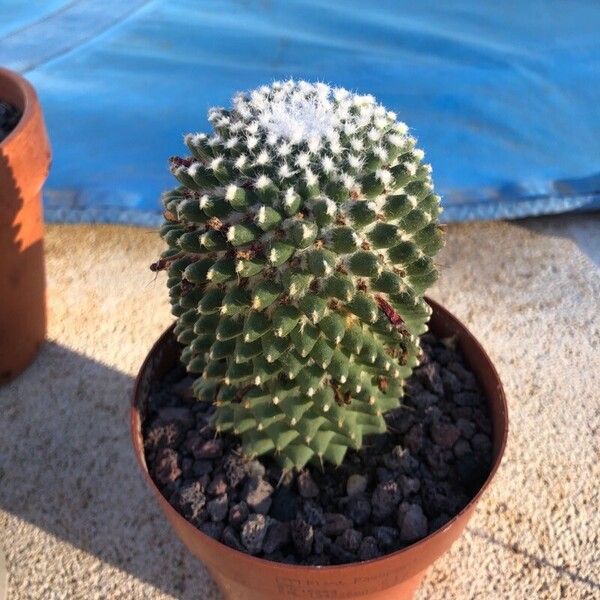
(503, 96)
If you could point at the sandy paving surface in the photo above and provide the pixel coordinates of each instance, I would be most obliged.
(76, 521)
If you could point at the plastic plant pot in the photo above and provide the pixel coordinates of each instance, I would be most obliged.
(24, 164)
(394, 576)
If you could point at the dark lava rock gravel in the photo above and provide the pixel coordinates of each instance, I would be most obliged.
(9, 117)
(400, 487)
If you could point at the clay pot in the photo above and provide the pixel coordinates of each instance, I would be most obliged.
(395, 576)
(24, 164)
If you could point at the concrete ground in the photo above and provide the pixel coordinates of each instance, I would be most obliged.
(76, 521)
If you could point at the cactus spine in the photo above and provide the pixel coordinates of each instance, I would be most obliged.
(300, 240)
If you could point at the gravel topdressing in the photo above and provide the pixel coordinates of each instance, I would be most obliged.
(400, 487)
(9, 117)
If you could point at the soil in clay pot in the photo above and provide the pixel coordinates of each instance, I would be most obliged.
(9, 117)
(400, 487)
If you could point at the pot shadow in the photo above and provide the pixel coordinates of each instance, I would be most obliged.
(21, 272)
(67, 466)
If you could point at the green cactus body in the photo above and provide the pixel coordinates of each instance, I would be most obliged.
(300, 240)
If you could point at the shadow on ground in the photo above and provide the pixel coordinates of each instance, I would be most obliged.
(67, 467)
(581, 229)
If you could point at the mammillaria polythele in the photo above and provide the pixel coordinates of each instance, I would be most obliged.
(301, 239)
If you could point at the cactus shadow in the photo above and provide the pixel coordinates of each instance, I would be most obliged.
(67, 467)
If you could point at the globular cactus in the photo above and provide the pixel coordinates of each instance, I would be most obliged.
(300, 244)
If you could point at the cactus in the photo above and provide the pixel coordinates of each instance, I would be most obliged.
(300, 240)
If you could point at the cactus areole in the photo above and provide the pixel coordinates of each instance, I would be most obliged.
(301, 240)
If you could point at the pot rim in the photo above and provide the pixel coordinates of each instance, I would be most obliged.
(26, 106)
(136, 422)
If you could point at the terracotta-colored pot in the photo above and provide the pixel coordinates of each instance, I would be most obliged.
(24, 164)
(395, 576)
